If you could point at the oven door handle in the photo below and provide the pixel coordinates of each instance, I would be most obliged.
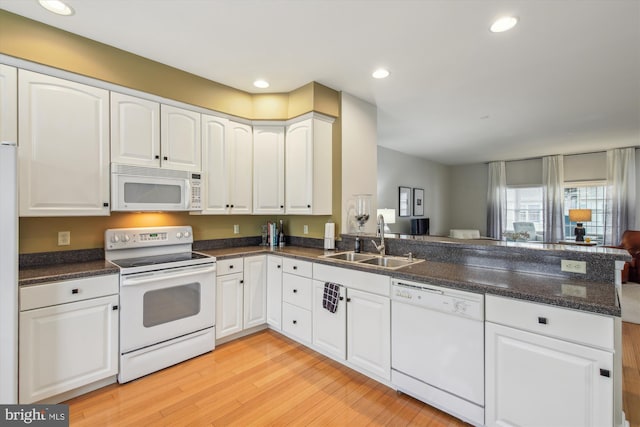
(154, 276)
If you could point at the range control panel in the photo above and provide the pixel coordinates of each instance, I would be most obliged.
(143, 237)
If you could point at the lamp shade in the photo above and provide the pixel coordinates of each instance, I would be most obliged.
(389, 215)
(580, 215)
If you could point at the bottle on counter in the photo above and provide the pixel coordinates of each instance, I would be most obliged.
(281, 241)
(356, 249)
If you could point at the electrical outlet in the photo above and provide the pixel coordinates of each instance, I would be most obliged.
(236, 228)
(64, 238)
(573, 266)
(305, 229)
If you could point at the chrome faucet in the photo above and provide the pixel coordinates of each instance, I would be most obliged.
(380, 248)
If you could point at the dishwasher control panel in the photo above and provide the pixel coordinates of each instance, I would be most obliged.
(462, 303)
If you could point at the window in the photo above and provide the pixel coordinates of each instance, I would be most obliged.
(586, 195)
(524, 204)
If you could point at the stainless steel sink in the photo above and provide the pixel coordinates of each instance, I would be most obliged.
(349, 256)
(390, 262)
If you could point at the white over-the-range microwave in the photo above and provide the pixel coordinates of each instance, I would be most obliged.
(140, 189)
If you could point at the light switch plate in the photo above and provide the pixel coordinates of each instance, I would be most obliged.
(64, 238)
(236, 228)
(571, 266)
(305, 229)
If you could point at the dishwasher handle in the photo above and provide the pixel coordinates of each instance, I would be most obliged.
(419, 288)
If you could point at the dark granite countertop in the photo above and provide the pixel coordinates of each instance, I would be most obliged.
(593, 297)
(64, 271)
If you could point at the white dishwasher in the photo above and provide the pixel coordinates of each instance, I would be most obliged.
(437, 347)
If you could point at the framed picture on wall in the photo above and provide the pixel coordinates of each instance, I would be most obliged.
(404, 201)
(418, 202)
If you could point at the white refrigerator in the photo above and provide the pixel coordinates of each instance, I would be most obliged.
(8, 274)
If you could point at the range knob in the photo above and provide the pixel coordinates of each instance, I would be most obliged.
(187, 234)
(179, 235)
(115, 238)
(126, 238)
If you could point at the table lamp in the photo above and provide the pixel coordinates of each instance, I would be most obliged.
(579, 216)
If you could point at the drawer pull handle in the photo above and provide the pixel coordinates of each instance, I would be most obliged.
(542, 320)
(605, 373)
(75, 291)
(295, 291)
(295, 267)
(295, 321)
(115, 307)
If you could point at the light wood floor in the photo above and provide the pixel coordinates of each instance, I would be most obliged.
(267, 379)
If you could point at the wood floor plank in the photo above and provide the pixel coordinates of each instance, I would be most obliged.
(266, 379)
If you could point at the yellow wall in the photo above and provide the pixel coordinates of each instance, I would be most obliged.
(33, 41)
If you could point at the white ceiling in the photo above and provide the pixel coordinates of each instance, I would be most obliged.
(565, 80)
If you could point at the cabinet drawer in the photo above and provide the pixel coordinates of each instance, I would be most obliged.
(228, 266)
(296, 290)
(62, 292)
(571, 325)
(295, 266)
(297, 322)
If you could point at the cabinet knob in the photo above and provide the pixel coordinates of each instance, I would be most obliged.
(542, 320)
(231, 205)
(348, 299)
(157, 156)
(115, 307)
(341, 298)
(241, 281)
(165, 158)
(231, 266)
(308, 206)
(278, 266)
(226, 206)
(295, 267)
(605, 373)
(105, 204)
(295, 321)
(281, 206)
(75, 291)
(295, 291)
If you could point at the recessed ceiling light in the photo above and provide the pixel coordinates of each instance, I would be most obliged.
(380, 73)
(262, 84)
(56, 6)
(503, 24)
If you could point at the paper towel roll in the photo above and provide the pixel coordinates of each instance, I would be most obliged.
(329, 235)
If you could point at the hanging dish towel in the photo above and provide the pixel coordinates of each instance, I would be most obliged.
(331, 296)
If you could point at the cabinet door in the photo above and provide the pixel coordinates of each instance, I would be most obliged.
(135, 131)
(228, 304)
(329, 329)
(8, 104)
(533, 380)
(369, 332)
(180, 143)
(274, 291)
(214, 165)
(67, 346)
(240, 162)
(268, 169)
(299, 167)
(255, 291)
(63, 148)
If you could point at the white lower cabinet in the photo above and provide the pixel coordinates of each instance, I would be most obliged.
(68, 336)
(274, 291)
(360, 329)
(241, 286)
(538, 380)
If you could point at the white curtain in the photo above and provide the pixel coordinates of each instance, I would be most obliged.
(621, 194)
(496, 200)
(553, 198)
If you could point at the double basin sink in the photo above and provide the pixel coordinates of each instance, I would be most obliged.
(386, 261)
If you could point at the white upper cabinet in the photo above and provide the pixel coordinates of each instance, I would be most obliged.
(308, 166)
(214, 165)
(63, 147)
(180, 145)
(8, 104)
(135, 131)
(240, 167)
(268, 169)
